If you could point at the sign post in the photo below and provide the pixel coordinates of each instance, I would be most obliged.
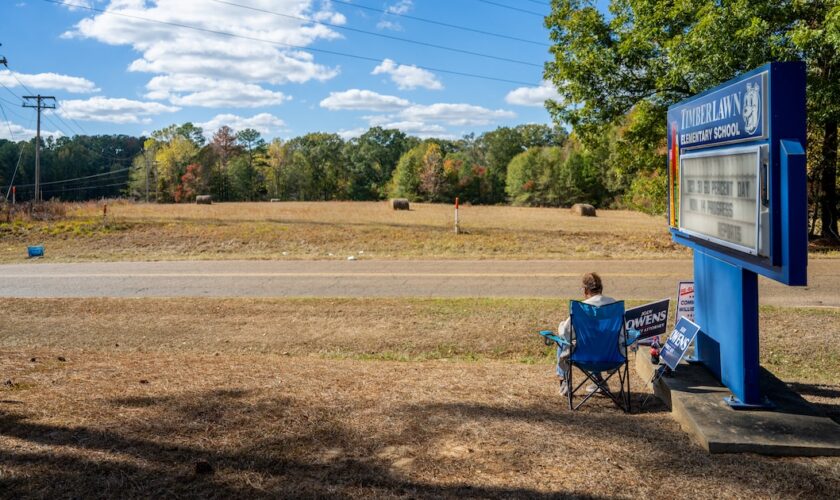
(737, 197)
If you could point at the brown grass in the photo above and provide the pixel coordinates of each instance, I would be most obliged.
(313, 230)
(282, 398)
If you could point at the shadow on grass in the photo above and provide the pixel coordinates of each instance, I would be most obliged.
(270, 445)
(825, 392)
(84, 462)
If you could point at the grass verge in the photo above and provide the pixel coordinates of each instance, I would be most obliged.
(282, 397)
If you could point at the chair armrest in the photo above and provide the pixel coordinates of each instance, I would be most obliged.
(632, 335)
(549, 335)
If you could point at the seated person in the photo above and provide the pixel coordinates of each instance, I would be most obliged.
(592, 293)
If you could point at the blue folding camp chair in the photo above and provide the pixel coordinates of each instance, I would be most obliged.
(595, 349)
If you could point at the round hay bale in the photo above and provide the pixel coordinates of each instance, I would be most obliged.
(203, 199)
(399, 204)
(583, 209)
(276, 200)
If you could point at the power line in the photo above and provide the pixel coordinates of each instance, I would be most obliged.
(58, 115)
(20, 82)
(8, 123)
(300, 47)
(441, 23)
(381, 35)
(59, 104)
(10, 91)
(64, 190)
(497, 4)
(61, 108)
(126, 169)
(12, 182)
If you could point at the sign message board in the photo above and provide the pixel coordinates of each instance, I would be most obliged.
(649, 319)
(720, 197)
(727, 115)
(678, 342)
(685, 300)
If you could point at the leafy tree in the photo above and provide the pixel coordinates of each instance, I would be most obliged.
(275, 171)
(372, 158)
(651, 54)
(499, 147)
(172, 158)
(190, 185)
(251, 142)
(530, 177)
(225, 146)
(241, 171)
(431, 173)
(406, 179)
(321, 164)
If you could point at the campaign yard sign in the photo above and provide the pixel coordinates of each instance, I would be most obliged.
(678, 342)
(649, 319)
(685, 300)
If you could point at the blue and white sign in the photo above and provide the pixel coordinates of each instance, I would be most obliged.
(678, 342)
(649, 319)
(735, 113)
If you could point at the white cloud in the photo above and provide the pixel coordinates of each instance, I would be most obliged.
(351, 133)
(389, 25)
(209, 92)
(53, 81)
(113, 110)
(78, 4)
(20, 133)
(178, 53)
(355, 99)
(420, 129)
(454, 114)
(408, 77)
(532, 96)
(432, 120)
(264, 123)
(401, 7)
(424, 120)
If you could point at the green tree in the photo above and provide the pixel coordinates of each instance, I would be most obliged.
(320, 164)
(432, 180)
(247, 182)
(172, 158)
(275, 171)
(406, 180)
(651, 54)
(372, 158)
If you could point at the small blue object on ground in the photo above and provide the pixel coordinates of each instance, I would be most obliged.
(36, 251)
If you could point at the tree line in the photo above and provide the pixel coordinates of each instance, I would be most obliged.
(530, 164)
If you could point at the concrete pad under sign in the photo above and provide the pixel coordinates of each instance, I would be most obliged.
(793, 428)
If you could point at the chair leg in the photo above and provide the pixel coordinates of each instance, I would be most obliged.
(569, 385)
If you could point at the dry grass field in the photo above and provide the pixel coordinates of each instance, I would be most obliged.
(319, 230)
(355, 398)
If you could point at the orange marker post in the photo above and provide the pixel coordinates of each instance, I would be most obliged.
(457, 228)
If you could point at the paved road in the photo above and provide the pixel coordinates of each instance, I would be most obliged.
(635, 279)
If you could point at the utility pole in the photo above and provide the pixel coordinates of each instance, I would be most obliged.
(39, 105)
(146, 156)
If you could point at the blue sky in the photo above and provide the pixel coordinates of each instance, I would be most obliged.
(118, 74)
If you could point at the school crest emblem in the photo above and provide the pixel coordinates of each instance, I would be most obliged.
(751, 110)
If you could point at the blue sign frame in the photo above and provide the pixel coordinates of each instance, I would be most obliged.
(781, 125)
(762, 110)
